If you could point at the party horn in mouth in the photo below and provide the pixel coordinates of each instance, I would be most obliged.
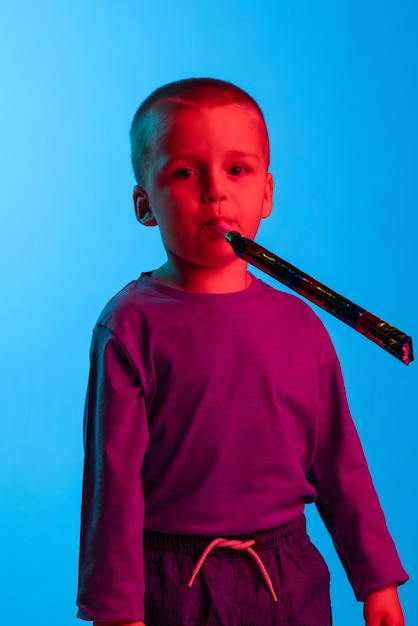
(386, 336)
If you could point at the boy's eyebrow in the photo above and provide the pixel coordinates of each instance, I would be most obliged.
(231, 154)
(244, 153)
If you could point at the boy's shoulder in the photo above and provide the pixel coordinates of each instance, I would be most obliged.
(292, 305)
(137, 295)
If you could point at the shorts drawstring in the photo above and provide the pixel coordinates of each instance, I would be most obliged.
(234, 544)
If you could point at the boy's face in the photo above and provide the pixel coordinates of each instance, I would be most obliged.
(208, 165)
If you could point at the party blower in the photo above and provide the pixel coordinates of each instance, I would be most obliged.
(386, 336)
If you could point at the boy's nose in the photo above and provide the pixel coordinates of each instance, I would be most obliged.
(213, 190)
(214, 197)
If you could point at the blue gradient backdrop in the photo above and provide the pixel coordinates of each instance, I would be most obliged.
(338, 84)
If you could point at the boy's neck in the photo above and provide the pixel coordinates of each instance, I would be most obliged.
(226, 279)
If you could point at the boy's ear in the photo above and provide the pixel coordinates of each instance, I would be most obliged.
(143, 210)
(268, 196)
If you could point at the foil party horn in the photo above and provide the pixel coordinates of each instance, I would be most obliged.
(383, 334)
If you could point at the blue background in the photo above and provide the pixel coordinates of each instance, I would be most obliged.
(338, 84)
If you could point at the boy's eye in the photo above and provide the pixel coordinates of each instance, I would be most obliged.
(237, 170)
(184, 173)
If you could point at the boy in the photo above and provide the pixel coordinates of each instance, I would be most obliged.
(216, 407)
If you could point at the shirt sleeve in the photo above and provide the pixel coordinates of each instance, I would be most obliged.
(111, 570)
(347, 500)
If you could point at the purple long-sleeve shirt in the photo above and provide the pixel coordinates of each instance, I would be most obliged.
(217, 414)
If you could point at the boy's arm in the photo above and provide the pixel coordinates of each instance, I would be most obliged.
(382, 608)
(111, 579)
(346, 497)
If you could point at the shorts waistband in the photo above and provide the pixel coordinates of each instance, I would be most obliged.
(287, 534)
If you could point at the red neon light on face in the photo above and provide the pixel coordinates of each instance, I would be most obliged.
(208, 168)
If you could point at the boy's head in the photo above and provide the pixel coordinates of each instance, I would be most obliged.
(156, 113)
(200, 152)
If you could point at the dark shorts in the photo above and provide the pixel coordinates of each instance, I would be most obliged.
(229, 589)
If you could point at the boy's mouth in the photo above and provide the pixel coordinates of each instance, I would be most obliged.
(220, 226)
(223, 227)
